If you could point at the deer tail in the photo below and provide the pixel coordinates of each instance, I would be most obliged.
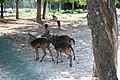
(73, 41)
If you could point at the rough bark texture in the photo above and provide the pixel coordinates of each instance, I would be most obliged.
(103, 23)
(17, 12)
(44, 9)
(38, 11)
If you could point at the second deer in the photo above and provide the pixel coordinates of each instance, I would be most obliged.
(42, 43)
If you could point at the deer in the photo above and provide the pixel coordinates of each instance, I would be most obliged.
(55, 18)
(42, 43)
(63, 47)
(60, 38)
(61, 44)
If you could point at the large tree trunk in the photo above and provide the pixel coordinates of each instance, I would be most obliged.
(103, 23)
(1, 9)
(38, 11)
(17, 6)
(44, 9)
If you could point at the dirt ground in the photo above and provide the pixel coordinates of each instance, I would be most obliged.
(18, 58)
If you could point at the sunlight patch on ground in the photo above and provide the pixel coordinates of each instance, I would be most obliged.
(86, 78)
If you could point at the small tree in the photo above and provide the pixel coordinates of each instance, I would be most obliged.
(38, 19)
(17, 6)
(1, 3)
(44, 8)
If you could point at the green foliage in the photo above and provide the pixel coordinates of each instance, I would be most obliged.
(81, 2)
(26, 12)
(118, 1)
(2, 0)
(68, 11)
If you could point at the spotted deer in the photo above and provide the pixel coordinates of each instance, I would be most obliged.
(60, 38)
(62, 44)
(42, 43)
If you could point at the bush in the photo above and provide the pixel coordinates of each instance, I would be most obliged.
(67, 11)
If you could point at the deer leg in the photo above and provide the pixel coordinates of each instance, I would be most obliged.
(70, 60)
(61, 57)
(43, 55)
(68, 56)
(37, 56)
(73, 53)
(51, 53)
(57, 56)
(58, 23)
(68, 53)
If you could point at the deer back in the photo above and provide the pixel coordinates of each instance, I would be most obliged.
(40, 43)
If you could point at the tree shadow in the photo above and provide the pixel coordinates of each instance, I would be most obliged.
(13, 42)
(13, 60)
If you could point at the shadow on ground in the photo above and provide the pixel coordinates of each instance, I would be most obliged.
(13, 61)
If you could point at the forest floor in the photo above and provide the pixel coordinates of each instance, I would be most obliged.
(17, 58)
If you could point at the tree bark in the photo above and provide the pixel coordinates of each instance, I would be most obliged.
(73, 6)
(38, 11)
(1, 9)
(59, 6)
(103, 23)
(17, 6)
(44, 9)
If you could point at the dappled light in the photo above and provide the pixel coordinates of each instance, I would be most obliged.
(30, 39)
(16, 32)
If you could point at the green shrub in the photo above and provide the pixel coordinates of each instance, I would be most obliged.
(67, 11)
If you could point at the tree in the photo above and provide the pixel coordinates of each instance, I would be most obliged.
(17, 6)
(44, 9)
(1, 3)
(38, 11)
(103, 23)
(70, 2)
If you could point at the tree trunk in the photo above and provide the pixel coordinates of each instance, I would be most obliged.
(17, 6)
(103, 23)
(44, 9)
(38, 11)
(73, 6)
(11, 4)
(49, 5)
(59, 6)
(1, 9)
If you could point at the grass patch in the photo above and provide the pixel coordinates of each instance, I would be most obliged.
(27, 12)
(68, 11)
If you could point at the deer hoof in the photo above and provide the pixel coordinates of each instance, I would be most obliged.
(40, 60)
(52, 59)
(37, 58)
(73, 58)
(70, 65)
(67, 57)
